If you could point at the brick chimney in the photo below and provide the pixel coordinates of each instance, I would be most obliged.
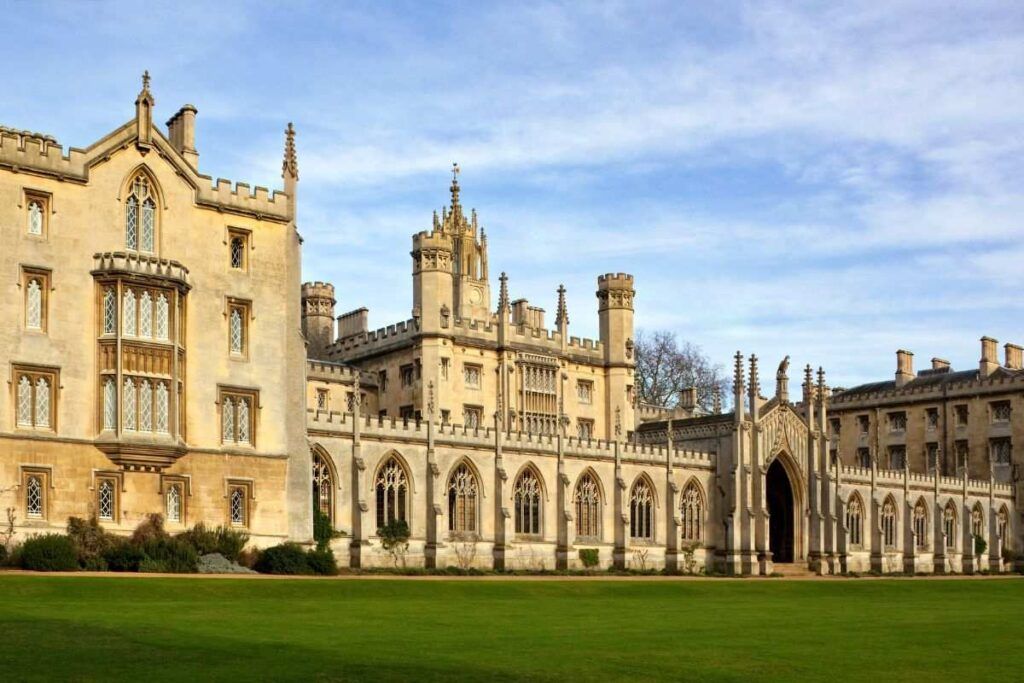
(989, 362)
(1014, 357)
(904, 367)
(181, 131)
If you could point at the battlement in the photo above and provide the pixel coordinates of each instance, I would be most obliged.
(323, 290)
(337, 372)
(615, 281)
(258, 200)
(369, 342)
(435, 239)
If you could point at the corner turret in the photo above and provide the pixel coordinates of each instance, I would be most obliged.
(615, 295)
(318, 318)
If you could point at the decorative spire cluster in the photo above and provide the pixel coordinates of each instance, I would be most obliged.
(755, 384)
(291, 159)
(503, 302)
(455, 186)
(737, 373)
(562, 316)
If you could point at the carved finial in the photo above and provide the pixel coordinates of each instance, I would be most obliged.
(430, 398)
(503, 292)
(755, 384)
(618, 422)
(808, 375)
(455, 186)
(291, 159)
(145, 80)
(716, 401)
(562, 315)
(737, 373)
(483, 234)
(821, 382)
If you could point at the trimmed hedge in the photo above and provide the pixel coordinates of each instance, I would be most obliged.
(291, 558)
(49, 553)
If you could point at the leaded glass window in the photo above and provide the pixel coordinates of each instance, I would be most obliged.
(128, 404)
(33, 497)
(140, 230)
(691, 511)
(854, 521)
(105, 500)
(1003, 524)
(145, 406)
(109, 311)
(323, 485)
(109, 404)
(42, 416)
(641, 508)
(462, 496)
(24, 402)
(889, 524)
(949, 525)
(921, 525)
(162, 317)
(131, 224)
(237, 253)
(173, 503)
(145, 315)
(162, 408)
(128, 313)
(35, 218)
(34, 305)
(392, 489)
(238, 506)
(587, 500)
(148, 225)
(227, 420)
(236, 331)
(243, 420)
(526, 496)
(978, 521)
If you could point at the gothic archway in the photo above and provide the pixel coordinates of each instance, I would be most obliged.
(781, 524)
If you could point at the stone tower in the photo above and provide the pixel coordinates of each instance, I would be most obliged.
(318, 317)
(472, 291)
(615, 312)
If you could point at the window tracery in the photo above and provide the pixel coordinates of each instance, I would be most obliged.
(889, 524)
(641, 508)
(527, 497)
(587, 500)
(855, 521)
(392, 488)
(462, 501)
(323, 486)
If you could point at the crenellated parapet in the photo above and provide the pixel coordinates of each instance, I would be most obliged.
(431, 251)
(374, 341)
(615, 290)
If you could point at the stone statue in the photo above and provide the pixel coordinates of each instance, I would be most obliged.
(783, 369)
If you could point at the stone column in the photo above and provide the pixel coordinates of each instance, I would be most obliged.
(500, 511)
(359, 504)
(433, 510)
(671, 518)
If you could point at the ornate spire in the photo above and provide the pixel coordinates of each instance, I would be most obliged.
(562, 316)
(716, 401)
(737, 374)
(144, 115)
(821, 384)
(455, 186)
(290, 166)
(755, 384)
(145, 94)
(503, 292)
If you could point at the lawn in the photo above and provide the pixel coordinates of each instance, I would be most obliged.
(98, 628)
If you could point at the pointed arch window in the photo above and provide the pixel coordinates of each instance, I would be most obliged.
(949, 525)
(35, 217)
(145, 314)
(34, 305)
(691, 513)
(978, 522)
(162, 408)
(34, 497)
(236, 331)
(392, 488)
(587, 501)
(855, 522)
(889, 524)
(24, 401)
(109, 311)
(106, 500)
(162, 316)
(462, 501)
(1003, 524)
(35, 397)
(140, 217)
(323, 486)
(173, 503)
(527, 498)
(145, 406)
(921, 525)
(238, 506)
(238, 416)
(641, 512)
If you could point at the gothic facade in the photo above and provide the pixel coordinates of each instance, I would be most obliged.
(162, 356)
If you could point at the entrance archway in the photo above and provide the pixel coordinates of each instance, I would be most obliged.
(781, 531)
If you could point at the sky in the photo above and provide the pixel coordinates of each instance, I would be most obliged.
(832, 181)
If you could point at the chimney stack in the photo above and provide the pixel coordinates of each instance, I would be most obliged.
(904, 367)
(688, 398)
(1014, 357)
(989, 363)
(940, 364)
(181, 130)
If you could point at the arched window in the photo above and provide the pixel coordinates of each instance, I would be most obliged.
(691, 513)
(889, 524)
(921, 525)
(228, 420)
(128, 405)
(323, 486)
(587, 500)
(236, 331)
(162, 404)
(109, 311)
(145, 315)
(173, 503)
(855, 521)
(238, 507)
(24, 402)
(527, 495)
(140, 217)
(243, 420)
(109, 404)
(33, 497)
(462, 497)
(392, 493)
(237, 253)
(949, 525)
(105, 501)
(128, 313)
(641, 511)
(978, 521)
(34, 305)
(162, 317)
(35, 218)
(42, 402)
(1003, 524)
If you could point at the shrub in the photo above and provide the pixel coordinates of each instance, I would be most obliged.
(323, 532)
(3, 555)
(980, 546)
(321, 561)
(170, 555)
(149, 529)
(222, 540)
(287, 558)
(249, 557)
(394, 538)
(589, 557)
(91, 541)
(49, 553)
(124, 556)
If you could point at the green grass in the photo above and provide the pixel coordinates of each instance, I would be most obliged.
(94, 628)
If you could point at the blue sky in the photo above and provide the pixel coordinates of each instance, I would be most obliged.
(828, 180)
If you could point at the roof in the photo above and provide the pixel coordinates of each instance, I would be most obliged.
(925, 380)
(655, 425)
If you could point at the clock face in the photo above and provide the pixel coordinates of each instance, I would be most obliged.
(475, 296)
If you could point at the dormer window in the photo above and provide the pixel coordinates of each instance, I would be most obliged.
(140, 217)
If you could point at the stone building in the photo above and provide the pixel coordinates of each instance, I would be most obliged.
(172, 362)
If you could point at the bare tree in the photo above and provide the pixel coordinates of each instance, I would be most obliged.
(665, 366)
